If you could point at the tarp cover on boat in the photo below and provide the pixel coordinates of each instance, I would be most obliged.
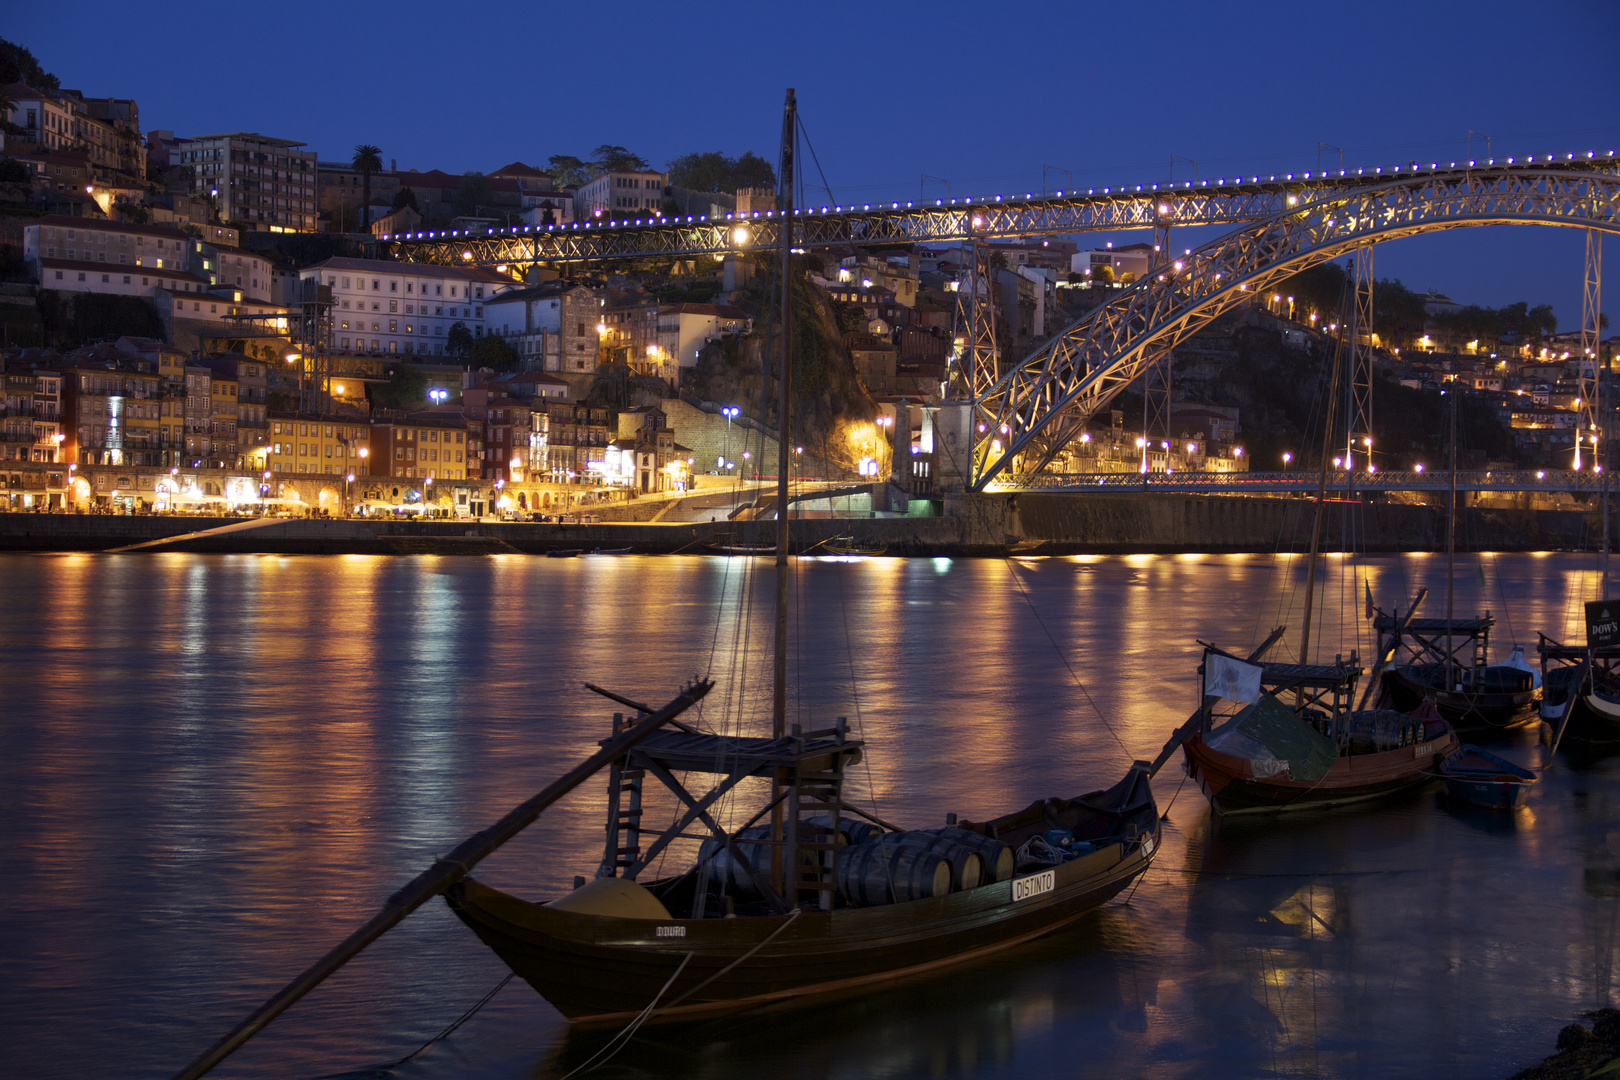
(1269, 722)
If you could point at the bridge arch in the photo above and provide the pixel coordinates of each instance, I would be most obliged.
(1034, 408)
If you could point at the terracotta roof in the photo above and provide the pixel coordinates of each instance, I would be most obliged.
(517, 168)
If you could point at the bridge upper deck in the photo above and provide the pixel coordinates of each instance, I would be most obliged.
(1224, 200)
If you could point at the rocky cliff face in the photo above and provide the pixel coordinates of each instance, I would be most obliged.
(832, 408)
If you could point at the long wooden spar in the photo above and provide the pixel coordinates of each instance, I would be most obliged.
(439, 877)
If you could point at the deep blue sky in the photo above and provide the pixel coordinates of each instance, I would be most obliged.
(982, 94)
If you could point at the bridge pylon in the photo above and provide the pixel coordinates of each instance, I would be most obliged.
(1358, 402)
(1591, 430)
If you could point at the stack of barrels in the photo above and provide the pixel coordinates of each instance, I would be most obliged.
(893, 868)
(875, 867)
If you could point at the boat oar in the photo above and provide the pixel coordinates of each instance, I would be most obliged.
(1569, 706)
(439, 877)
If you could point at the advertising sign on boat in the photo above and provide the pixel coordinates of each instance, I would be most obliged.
(1602, 623)
(1034, 885)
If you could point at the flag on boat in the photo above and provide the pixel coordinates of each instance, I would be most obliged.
(1368, 586)
(1231, 679)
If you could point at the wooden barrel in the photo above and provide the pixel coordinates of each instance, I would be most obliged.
(999, 860)
(893, 869)
(726, 875)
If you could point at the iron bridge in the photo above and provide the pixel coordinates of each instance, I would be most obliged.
(1340, 484)
(1224, 200)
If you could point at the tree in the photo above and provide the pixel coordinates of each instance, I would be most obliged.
(714, 171)
(474, 190)
(406, 197)
(700, 172)
(14, 171)
(459, 341)
(567, 170)
(367, 160)
(491, 351)
(17, 64)
(752, 171)
(405, 389)
(608, 158)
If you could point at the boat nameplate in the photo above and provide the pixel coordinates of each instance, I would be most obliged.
(1422, 749)
(1034, 885)
(669, 931)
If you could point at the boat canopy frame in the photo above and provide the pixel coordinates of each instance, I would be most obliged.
(808, 769)
(1329, 687)
(1435, 641)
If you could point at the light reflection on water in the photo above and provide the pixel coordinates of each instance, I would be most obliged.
(212, 768)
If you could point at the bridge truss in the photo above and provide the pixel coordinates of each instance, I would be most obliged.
(1045, 400)
(1222, 201)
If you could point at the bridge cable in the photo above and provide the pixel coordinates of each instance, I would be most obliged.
(799, 119)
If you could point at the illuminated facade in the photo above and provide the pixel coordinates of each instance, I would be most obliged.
(321, 445)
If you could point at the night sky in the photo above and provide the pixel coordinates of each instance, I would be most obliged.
(984, 95)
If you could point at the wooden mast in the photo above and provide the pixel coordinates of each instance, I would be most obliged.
(1451, 543)
(784, 211)
(1321, 492)
(784, 853)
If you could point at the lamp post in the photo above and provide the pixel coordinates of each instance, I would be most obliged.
(347, 480)
(264, 491)
(728, 412)
(427, 494)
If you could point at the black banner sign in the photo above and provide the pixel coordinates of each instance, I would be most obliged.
(1602, 624)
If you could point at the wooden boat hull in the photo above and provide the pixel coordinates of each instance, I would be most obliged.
(595, 968)
(1594, 723)
(1229, 783)
(1468, 711)
(1479, 777)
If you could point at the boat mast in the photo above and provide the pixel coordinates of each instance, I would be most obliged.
(1321, 490)
(1451, 543)
(784, 213)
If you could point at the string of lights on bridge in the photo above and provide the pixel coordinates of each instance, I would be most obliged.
(741, 236)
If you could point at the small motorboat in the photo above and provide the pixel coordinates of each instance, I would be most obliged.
(611, 551)
(563, 553)
(1479, 777)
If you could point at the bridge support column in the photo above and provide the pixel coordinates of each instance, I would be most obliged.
(1591, 428)
(1358, 404)
(953, 445)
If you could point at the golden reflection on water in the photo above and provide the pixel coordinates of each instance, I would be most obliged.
(223, 764)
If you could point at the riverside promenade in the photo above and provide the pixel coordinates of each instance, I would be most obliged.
(985, 525)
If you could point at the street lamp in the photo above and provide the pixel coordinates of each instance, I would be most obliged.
(728, 412)
(427, 495)
(264, 490)
(347, 503)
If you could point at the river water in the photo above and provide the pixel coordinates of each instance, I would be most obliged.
(213, 767)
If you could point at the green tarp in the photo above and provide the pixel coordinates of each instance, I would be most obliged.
(1309, 753)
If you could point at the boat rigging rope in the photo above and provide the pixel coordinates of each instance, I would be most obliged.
(1011, 569)
(623, 1038)
(462, 1019)
(792, 915)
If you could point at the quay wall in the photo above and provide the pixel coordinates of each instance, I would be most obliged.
(1027, 522)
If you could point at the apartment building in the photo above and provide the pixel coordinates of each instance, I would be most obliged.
(422, 446)
(87, 255)
(391, 307)
(684, 329)
(631, 194)
(106, 130)
(324, 445)
(267, 184)
(113, 413)
(30, 414)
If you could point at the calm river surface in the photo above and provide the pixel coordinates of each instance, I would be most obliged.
(213, 767)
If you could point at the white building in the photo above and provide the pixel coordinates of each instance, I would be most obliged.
(621, 194)
(44, 118)
(392, 307)
(684, 329)
(1133, 259)
(92, 255)
(268, 184)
